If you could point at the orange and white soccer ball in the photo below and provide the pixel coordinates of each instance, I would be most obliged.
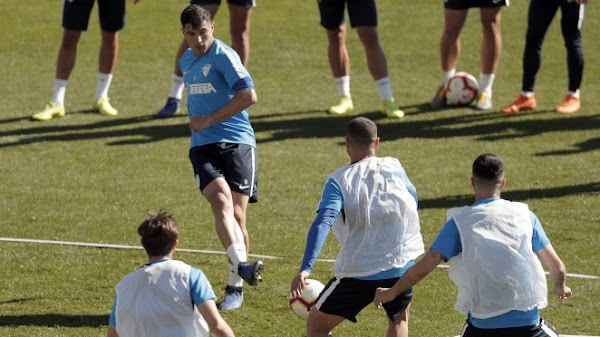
(301, 305)
(461, 89)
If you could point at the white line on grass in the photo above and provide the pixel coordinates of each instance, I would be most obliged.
(108, 245)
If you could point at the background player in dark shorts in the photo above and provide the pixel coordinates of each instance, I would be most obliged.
(76, 16)
(455, 15)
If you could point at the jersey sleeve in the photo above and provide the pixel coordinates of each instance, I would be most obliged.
(331, 196)
(317, 234)
(229, 65)
(200, 289)
(448, 242)
(539, 239)
(410, 186)
(112, 319)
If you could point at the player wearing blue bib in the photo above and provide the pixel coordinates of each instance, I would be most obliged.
(165, 297)
(493, 246)
(222, 147)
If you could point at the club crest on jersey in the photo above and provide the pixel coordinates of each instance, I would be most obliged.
(206, 69)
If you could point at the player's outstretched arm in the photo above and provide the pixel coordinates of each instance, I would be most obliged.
(415, 274)
(557, 271)
(217, 325)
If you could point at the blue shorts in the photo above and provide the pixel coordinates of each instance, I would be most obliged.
(237, 163)
(346, 297)
(466, 4)
(244, 3)
(76, 14)
(361, 13)
(543, 329)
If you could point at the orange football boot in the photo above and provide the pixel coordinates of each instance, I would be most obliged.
(521, 103)
(569, 105)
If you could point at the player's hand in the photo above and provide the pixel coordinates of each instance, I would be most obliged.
(562, 292)
(383, 295)
(298, 283)
(199, 123)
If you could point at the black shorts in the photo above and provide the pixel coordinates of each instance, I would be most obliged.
(361, 13)
(347, 296)
(76, 14)
(543, 329)
(244, 3)
(237, 163)
(466, 4)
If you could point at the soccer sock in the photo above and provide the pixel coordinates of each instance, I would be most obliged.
(58, 93)
(485, 83)
(176, 87)
(103, 84)
(447, 74)
(385, 88)
(575, 94)
(527, 93)
(343, 86)
(236, 254)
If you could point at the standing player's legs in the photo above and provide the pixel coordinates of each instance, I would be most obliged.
(112, 19)
(539, 17)
(491, 47)
(239, 27)
(454, 20)
(571, 22)
(240, 206)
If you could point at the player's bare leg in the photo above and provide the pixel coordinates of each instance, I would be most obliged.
(239, 27)
(454, 20)
(339, 62)
(109, 51)
(220, 198)
(491, 48)
(399, 327)
(376, 60)
(67, 54)
(240, 206)
(320, 324)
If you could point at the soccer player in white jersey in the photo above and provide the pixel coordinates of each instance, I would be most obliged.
(240, 14)
(493, 246)
(371, 204)
(165, 297)
(223, 147)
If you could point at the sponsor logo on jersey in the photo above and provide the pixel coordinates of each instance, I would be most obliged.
(201, 88)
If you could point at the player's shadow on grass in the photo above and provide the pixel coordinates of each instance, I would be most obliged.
(52, 320)
(516, 195)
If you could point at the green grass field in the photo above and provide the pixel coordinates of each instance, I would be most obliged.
(90, 178)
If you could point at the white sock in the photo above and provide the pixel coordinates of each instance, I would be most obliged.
(59, 91)
(236, 254)
(485, 83)
(176, 87)
(385, 87)
(343, 86)
(103, 84)
(447, 74)
(527, 93)
(575, 94)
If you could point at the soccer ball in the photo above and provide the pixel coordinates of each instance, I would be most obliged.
(301, 305)
(461, 89)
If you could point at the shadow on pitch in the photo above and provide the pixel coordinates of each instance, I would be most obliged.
(53, 320)
(311, 123)
(516, 195)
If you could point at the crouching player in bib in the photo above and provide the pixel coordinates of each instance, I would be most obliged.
(371, 205)
(493, 246)
(165, 297)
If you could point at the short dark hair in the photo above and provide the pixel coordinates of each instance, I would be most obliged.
(195, 15)
(158, 233)
(361, 131)
(489, 167)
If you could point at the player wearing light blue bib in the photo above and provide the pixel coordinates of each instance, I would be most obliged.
(494, 245)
